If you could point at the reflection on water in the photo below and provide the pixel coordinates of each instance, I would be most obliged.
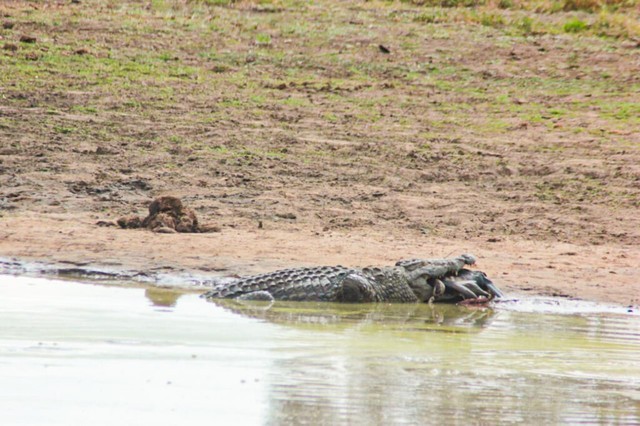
(162, 296)
(71, 352)
(409, 317)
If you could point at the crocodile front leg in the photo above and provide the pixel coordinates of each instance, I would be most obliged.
(357, 289)
(260, 296)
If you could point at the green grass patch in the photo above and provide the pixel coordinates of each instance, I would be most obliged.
(263, 40)
(628, 112)
(63, 129)
(575, 25)
(296, 102)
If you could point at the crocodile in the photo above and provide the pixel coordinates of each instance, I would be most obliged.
(409, 281)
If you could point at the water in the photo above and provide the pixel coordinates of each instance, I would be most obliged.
(74, 353)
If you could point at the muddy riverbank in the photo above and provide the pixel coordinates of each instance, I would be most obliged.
(599, 273)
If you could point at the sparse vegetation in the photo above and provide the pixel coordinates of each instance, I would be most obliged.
(259, 96)
(575, 25)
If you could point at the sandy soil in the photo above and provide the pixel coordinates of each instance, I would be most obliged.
(307, 160)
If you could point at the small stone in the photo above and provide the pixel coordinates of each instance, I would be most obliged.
(28, 39)
(10, 47)
(102, 151)
(290, 216)
(164, 230)
(106, 223)
(206, 228)
(129, 222)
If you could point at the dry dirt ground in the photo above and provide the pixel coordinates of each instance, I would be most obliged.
(321, 133)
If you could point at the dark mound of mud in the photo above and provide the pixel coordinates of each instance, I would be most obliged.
(167, 215)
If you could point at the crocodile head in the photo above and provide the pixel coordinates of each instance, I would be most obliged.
(468, 259)
(431, 278)
(459, 262)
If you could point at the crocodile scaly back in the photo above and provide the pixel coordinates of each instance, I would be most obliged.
(320, 284)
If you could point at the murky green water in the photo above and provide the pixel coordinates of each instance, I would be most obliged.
(85, 354)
